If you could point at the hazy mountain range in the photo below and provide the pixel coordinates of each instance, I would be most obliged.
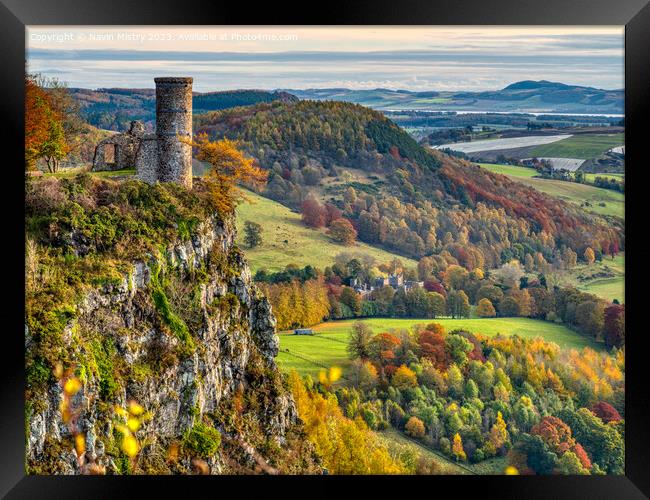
(113, 108)
(525, 96)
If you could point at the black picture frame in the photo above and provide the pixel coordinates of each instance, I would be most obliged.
(16, 14)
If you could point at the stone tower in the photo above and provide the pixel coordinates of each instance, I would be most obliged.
(174, 118)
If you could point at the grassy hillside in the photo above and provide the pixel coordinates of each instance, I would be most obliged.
(308, 147)
(308, 354)
(605, 279)
(601, 201)
(398, 445)
(579, 146)
(286, 240)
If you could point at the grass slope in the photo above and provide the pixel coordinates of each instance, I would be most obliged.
(286, 240)
(72, 172)
(595, 278)
(579, 146)
(308, 354)
(398, 444)
(580, 194)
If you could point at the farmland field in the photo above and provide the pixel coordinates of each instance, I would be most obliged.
(605, 279)
(308, 354)
(510, 170)
(579, 146)
(592, 177)
(286, 240)
(581, 194)
(498, 144)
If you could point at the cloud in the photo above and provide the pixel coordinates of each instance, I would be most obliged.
(427, 59)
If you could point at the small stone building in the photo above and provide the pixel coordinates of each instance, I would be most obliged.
(118, 151)
(161, 156)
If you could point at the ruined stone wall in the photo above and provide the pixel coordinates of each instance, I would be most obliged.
(173, 119)
(146, 159)
(126, 146)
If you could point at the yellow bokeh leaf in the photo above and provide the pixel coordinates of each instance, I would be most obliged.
(335, 374)
(130, 446)
(121, 412)
(322, 377)
(135, 409)
(133, 424)
(123, 429)
(72, 386)
(80, 444)
(511, 471)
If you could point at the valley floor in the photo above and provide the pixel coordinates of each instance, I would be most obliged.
(308, 354)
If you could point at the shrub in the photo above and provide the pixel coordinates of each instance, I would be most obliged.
(415, 428)
(202, 440)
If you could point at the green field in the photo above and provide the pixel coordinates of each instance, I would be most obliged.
(308, 354)
(613, 201)
(286, 240)
(607, 287)
(71, 172)
(579, 146)
(592, 177)
(509, 170)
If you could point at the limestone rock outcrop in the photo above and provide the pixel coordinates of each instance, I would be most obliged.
(233, 330)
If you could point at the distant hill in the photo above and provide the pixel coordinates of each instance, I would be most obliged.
(399, 195)
(113, 109)
(525, 96)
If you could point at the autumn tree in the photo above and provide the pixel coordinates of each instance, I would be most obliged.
(485, 309)
(614, 323)
(458, 304)
(404, 378)
(365, 374)
(43, 127)
(252, 234)
(228, 167)
(498, 433)
(415, 428)
(359, 341)
(589, 256)
(509, 307)
(436, 304)
(313, 213)
(342, 231)
(493, 293)
(555, 433)
(351, 299)
(457, 448)
(606, 412)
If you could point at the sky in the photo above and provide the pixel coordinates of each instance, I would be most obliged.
(411, 58)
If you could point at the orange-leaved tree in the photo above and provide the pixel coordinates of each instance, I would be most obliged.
(229, 166)
(37, 112)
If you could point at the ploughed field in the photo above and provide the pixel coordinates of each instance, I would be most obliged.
(308, 354)
(499, 144)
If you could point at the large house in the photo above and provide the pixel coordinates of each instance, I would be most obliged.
(395, 281)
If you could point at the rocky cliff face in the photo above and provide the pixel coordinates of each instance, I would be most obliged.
(189, 337)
